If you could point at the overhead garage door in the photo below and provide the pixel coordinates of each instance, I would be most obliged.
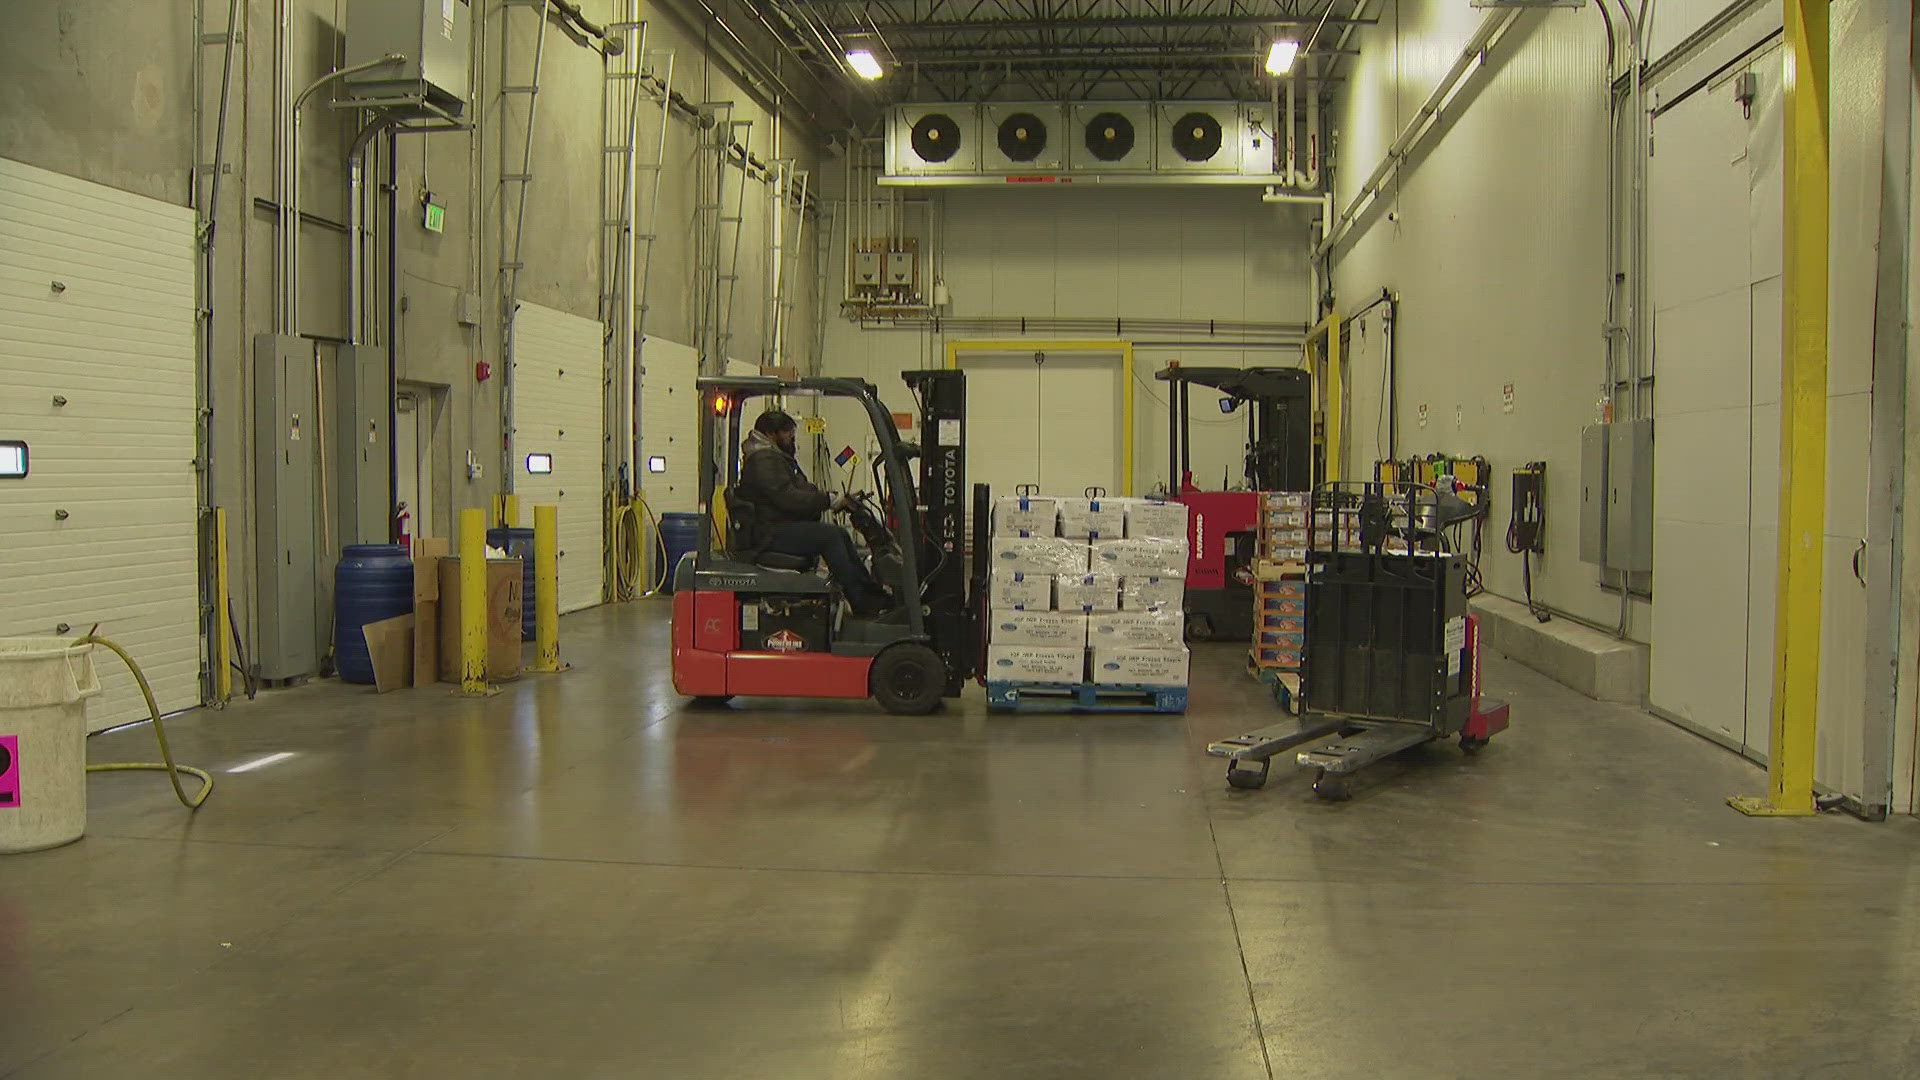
(1052, 422)
(96, 378)
(669, 426)
(557, 414)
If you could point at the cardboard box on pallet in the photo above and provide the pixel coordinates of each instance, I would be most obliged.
(1147, 592)
(1086, 593)
(1083, 519)
(1140, 666)
(1136, 629)
(1036, 663)
(1150, 519)
(1025, 515)
(1013, 589)
(1155, 558)
(1066, 629)
(1039, 555)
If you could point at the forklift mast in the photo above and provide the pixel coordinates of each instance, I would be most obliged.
(942, 395)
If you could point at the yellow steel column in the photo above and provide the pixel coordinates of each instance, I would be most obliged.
(1803, 422)
(546, 588)
(473, 602)
(222, 650)
(510, 510)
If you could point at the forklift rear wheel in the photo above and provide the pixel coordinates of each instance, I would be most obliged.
(1331, 786)
(908, 679)
(1199, 628)
(712, 701)
(1472, 745)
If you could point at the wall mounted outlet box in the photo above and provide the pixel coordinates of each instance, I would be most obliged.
(467, 313)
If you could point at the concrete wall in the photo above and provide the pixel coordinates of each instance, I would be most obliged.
(1193, 254)
(104, 91)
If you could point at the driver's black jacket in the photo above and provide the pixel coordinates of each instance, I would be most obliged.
(780, 492)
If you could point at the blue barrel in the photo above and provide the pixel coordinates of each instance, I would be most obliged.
(518, 543)
(371, 582)
(680, 533)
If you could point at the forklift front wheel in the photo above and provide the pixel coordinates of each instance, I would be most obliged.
(1199, 628)
(1472, 745)
(908, 679)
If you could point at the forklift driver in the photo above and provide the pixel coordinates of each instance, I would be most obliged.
(787, 510)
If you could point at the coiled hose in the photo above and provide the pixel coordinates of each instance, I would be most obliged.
(166, 763)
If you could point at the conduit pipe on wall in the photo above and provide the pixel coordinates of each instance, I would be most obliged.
(1288, 175)
(290, 213)
(1308, 175)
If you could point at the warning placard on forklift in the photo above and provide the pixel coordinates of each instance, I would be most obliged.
(1455, 642)
(816, 425)
(949, 433)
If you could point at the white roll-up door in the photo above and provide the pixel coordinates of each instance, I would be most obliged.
(669, 426)
(96, 379)
(557, 424)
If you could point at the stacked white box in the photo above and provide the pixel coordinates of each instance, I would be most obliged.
(1160, 629)
(1024, 515)
(1150, 519)
(1150, 592)
(1056, 628)
(1037, 663)
(1012, 589)
(1092, 519)
(1039, 555)
(1146, 666)
(1142, 557)
(1088, 593)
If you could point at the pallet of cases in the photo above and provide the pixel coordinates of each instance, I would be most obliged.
(1085, 697)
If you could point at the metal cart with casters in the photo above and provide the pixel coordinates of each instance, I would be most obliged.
(1390, 656)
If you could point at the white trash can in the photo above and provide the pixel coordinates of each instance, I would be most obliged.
(44, 686)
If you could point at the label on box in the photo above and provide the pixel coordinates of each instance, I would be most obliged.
(1025, 515)
(1082, 519)
(1013, 589)
(1149, 591)
(1086, 592)
(1151, 558)
(1288, 500)
(1057, 628)
(1140, 667)
(1039, 555)
(1152, 629)
(1151, 520)
(1036, 663)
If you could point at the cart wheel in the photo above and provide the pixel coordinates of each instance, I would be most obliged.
(1284, 698)
(908, 679)
(712, 701)
(1331, 786)
(1199, 628)
(1472, 745)
(1245, 775)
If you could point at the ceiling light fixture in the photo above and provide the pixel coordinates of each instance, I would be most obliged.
(1280, 57)
(863, 64)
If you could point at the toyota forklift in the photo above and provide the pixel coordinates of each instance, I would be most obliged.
(1223, 526)
(766, 624)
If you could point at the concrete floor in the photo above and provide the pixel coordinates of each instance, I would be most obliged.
(583, 877)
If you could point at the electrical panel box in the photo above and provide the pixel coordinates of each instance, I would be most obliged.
(1593, 494)
(358, 450)
(866, 271)
(1630, 495)
(900, 271)
(433, 39)
(283, 567)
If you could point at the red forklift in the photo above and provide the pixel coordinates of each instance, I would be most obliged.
(773, 625)
(1223, 526)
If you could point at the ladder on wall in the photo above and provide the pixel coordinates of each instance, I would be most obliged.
(790, 193)
(516, 176)
(716, 256)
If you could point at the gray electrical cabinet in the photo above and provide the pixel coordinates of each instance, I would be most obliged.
(284, 498)
(1593, 494)
(1630, 495)
(433, 39)
(358, 439)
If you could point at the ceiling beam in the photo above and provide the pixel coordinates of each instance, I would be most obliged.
(1137, 22)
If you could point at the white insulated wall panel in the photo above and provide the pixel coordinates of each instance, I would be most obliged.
(557, 410)
(96, 307)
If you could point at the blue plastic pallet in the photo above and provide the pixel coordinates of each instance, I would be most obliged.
(1085, 697)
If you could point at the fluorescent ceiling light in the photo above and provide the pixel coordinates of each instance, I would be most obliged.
(863, 64)
(1280, 57)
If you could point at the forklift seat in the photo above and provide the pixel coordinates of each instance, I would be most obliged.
(780, 560)
(740, 516)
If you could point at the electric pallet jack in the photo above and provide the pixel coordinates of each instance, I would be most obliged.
(771, 626)
(1223, 527)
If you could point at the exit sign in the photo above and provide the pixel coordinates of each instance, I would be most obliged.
(433, 215)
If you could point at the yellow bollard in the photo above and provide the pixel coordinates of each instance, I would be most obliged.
(546, 589)
(222, 626)
(473, 602)
(510, 510)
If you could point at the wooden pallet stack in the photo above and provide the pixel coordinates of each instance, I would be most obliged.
(1280, 587)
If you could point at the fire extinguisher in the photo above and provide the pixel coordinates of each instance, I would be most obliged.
(402, 522)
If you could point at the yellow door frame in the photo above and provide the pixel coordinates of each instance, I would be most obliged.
(1323, 344)
(1797, 612)
(1122, 349)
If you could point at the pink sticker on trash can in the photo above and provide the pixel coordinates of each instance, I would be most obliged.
(9, 772)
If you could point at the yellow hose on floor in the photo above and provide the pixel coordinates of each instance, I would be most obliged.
(166, 764)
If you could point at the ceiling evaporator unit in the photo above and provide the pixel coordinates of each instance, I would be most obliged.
(1086, 142)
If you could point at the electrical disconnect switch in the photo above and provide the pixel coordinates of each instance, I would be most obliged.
(1746, 90)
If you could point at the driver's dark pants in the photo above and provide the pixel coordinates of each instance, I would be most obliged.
(829, 542)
